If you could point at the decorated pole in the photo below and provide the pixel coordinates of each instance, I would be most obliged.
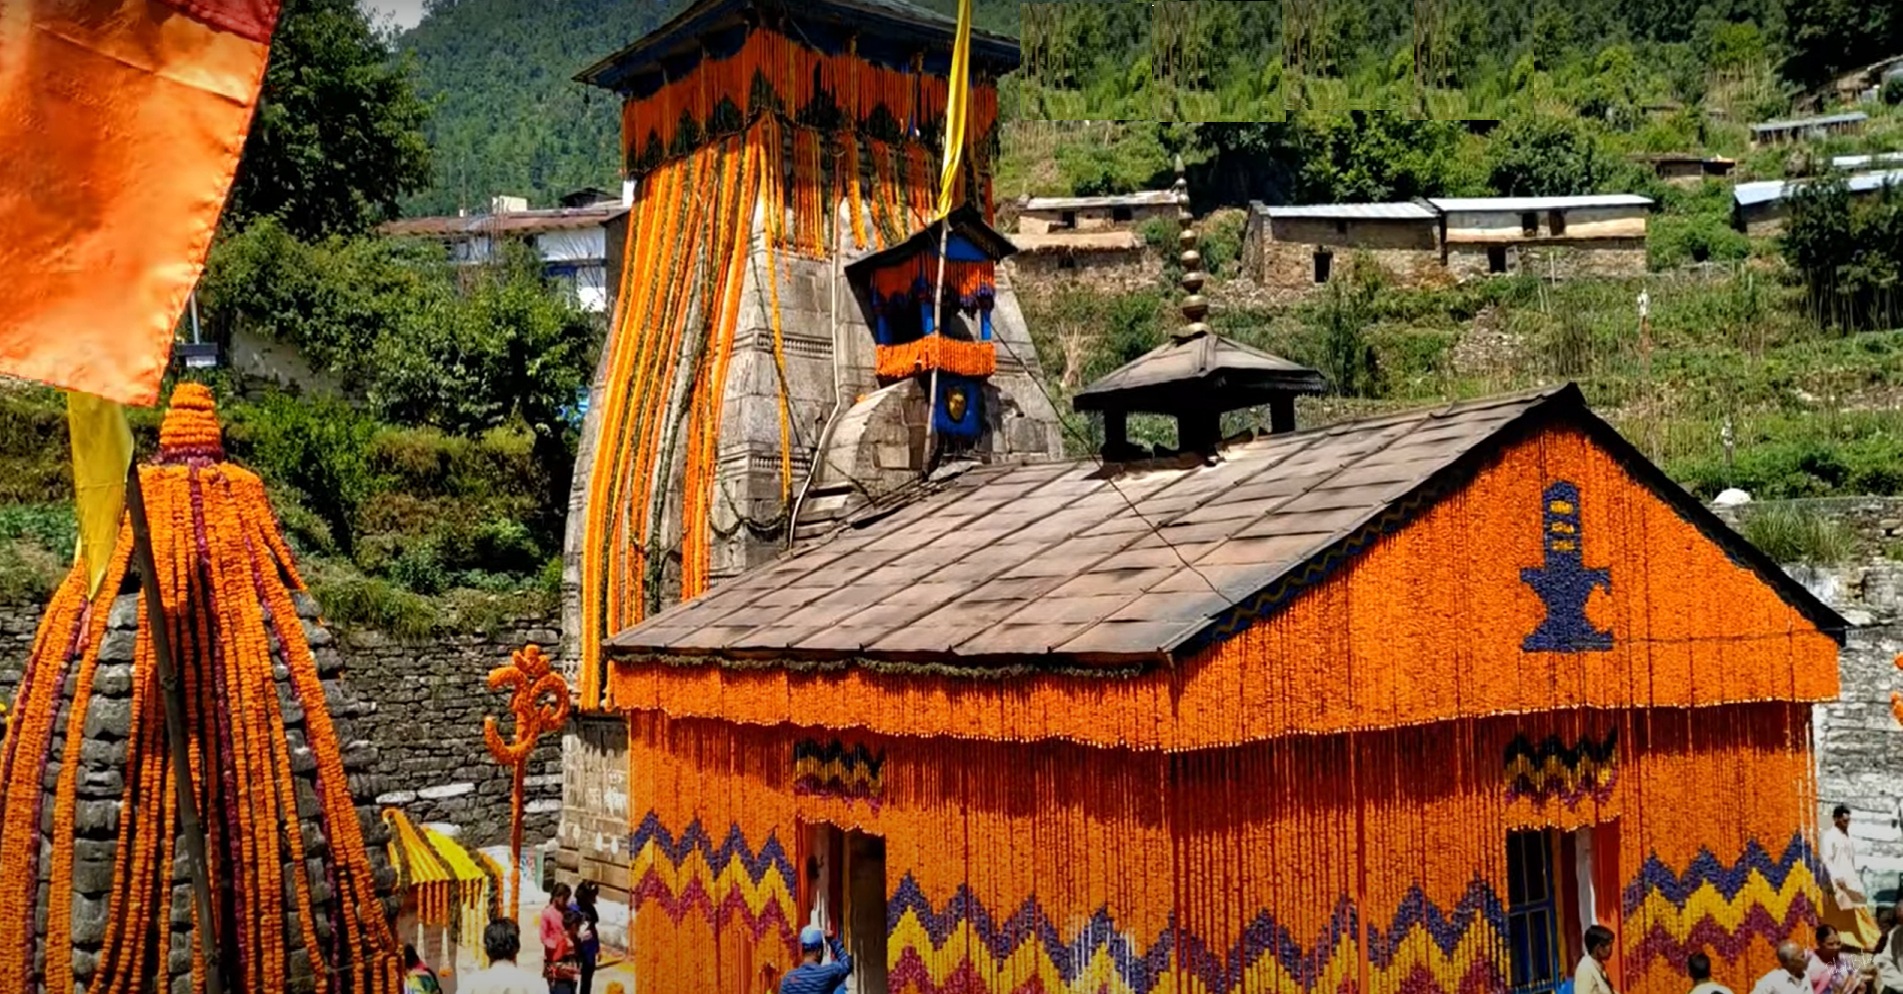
(173, 693)
(539, 701)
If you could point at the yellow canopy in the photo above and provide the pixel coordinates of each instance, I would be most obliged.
(448, 883)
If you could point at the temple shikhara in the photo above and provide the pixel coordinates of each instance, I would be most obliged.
(1388, 706)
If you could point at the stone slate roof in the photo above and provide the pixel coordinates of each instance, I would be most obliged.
(1055, 564)
(1196, 367)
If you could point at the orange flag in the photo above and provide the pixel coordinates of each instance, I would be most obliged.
(120, 127)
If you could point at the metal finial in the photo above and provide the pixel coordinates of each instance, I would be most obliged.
(1195, 306)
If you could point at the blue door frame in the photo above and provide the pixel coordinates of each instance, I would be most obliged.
(1533, 945)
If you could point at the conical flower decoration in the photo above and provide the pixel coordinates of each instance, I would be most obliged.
(89, 857)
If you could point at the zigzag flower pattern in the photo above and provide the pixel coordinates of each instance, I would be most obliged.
(690, 875)
(1027, 949)
(1719, 907)
(1554, 770)
(1422, 936)
(832, 769)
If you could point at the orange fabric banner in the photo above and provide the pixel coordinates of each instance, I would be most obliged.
(121, 122)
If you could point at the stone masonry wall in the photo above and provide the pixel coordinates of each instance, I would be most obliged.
(423, 709)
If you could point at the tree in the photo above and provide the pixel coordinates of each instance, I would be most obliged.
(337, 139)
(1822, 38)
(1374, 156)
(1548, 156)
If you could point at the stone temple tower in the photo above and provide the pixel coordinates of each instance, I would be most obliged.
(756, 383)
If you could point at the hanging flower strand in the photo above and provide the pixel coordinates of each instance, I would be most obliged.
(539, 700)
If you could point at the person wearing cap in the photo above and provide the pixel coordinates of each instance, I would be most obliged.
(813, 976)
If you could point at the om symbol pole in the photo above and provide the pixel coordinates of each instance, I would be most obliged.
(539, 700)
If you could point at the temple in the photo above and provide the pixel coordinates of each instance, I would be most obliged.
(781, 357)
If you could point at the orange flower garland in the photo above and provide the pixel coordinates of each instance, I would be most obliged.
(937, 352)
(223, 565)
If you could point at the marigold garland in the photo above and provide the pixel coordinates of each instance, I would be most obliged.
(949, 355)
(222, 566)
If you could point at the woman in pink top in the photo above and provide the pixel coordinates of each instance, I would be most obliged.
(554, 934)
(1830, 971)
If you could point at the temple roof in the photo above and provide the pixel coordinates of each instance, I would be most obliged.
(888, 32)
(1066, 564)
(966, 221)
(1198, 368)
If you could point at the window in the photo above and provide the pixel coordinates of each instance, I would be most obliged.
(1556, 222)
(1497, 259)
(1324, 264)
(1068, 220)
(1341, 226)
(1121, 214)
(1529, 224)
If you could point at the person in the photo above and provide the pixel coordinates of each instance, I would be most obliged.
(418, 978)
(1848, 907)
(1698, 965)
(1890, 953)
(560, 969)
(589, 948)
(813, 976)
(550, 924)
(1591, 977)
(502, 941)
(1829, 970)
(1788, 978)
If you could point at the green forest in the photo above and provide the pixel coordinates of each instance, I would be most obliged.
(429, 490)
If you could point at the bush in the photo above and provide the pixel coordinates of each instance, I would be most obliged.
(352, 599)
(318, 446)
(1892, 91)
(1792, 534)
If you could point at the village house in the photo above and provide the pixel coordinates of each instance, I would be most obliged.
(1685, 169)
(1111, 261)
(572, 240)
(1858, 85)
(1807, 128)
(1554, 237)
(1759, 209)
(1127, 212)
(1858, 162)
(1293, 250)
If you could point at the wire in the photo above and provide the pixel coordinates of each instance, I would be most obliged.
(1097, 458)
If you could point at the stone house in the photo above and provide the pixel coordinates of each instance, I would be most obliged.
(1806, 128)
(1759, 209)
(1112, 261)
(1684, 169)
(1294, 250)
(1596, 235)
(1042, 215)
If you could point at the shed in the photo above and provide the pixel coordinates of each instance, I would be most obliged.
(1759, 208)
(1806, 128)
(1395, 705)
(1683, 168)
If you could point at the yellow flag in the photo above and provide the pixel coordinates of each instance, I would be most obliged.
(957, 105)
(102, 449)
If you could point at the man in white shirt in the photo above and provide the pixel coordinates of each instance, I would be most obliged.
(502, 941)
(1590, 977)
(1788, 978)
(1851, 915)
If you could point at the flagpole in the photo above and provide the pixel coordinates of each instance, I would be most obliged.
(174, 694)
(938, 328)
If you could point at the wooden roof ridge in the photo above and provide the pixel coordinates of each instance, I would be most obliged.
(1068, 569)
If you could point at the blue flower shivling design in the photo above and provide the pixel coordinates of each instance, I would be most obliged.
(1565, 582)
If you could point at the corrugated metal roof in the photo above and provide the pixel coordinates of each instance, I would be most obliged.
(1142, 198)
(1464, 205)
(1063, 562)
(1865, 161)
(1399, 211)
(1078, 241)
(511, 223)
(1826, 120)
(1766, 191)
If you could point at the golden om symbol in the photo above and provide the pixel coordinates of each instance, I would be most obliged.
(538, 699)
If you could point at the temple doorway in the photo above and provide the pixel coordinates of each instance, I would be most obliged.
(845, 888)
(1550, 902)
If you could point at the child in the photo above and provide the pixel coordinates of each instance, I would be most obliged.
(418, 978)
(562, 969)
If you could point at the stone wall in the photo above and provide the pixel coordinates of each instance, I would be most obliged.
(422, 712)
(1610, 258)
(1286, 270)
(1045, 273)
